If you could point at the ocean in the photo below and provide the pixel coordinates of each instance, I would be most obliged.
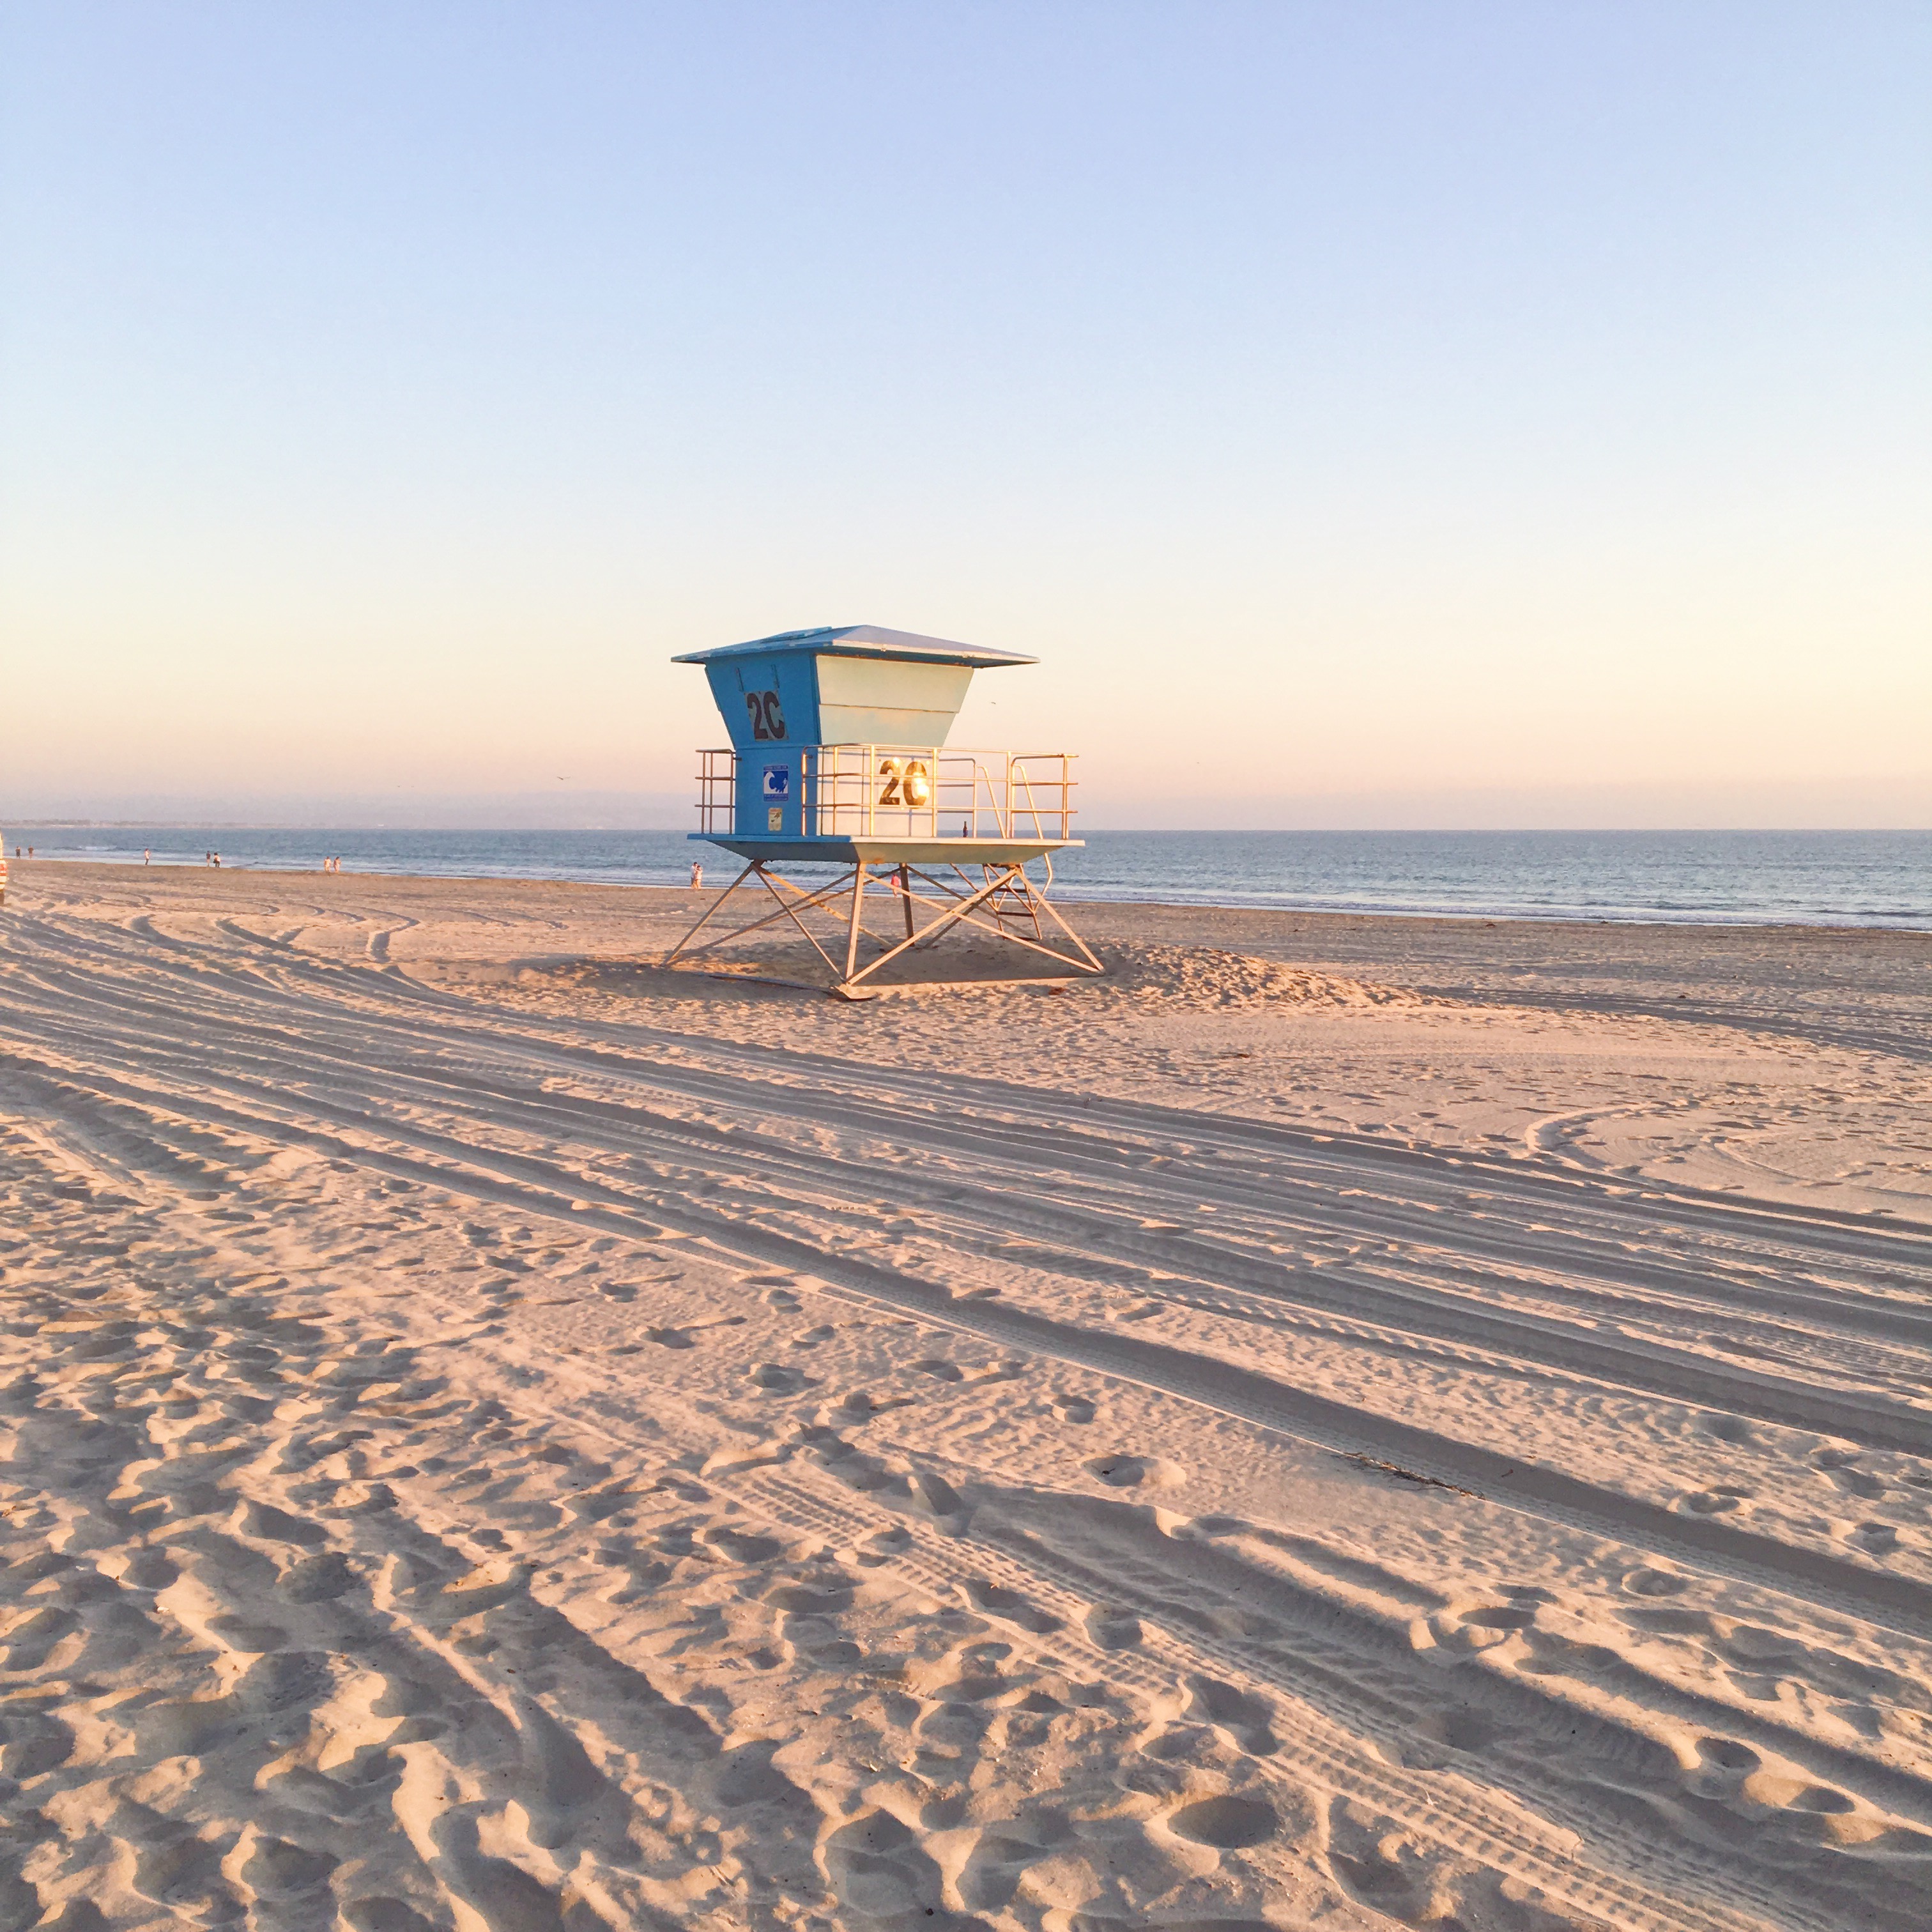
(1806, 878)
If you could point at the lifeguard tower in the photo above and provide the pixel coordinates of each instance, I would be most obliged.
(838, 757)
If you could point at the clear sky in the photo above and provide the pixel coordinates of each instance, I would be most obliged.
(1372, 414)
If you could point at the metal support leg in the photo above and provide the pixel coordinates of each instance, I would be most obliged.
(852, 935)
(1002, 904)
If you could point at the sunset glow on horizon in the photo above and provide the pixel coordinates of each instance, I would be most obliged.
(1368, 414)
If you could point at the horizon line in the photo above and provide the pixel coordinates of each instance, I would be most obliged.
(1107, 831)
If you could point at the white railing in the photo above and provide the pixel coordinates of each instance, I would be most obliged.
(921, 791)
(910, 791)
(717, 791)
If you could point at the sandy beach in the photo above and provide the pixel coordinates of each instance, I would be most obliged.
(1343, 1422)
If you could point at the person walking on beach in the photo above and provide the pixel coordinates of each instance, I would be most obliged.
(697, 877)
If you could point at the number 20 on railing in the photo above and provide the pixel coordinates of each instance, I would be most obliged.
(910, 784)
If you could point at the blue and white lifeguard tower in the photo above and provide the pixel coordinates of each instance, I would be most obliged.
(838, 755)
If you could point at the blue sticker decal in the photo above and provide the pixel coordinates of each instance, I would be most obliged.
(778, 781)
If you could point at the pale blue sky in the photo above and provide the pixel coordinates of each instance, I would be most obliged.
(1372, 414)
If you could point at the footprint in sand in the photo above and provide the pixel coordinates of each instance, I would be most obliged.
(775, 1378)
(381, 1913)
(1111, 1629)
(1183, 1744)
(1461, 1727)
(37, 1743)
(1120, 1471)
(882, 1545)
(990, 1878)
(1008, 1605)
(1722, 1765)
(1669, 1620)
(825, 1590)
(933, 1493)
(149, 1569)
(1647, 1580)
(880, 1872)
(1797, 1794)
(742, 1546)
(1731, 1772)
(1380, 1863)
(1471, 1626)
(1839, 1467)
(1227, 1822)
(1246, 1720)
(1733, 1429)
(265, 1520)
(1719, 1500)
(316, 1579)
(276, 1869)
(683, 1487)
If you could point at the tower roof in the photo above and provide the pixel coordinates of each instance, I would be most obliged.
(862, 641)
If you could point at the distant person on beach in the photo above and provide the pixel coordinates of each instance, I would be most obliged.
(148, 855)
(697, 877)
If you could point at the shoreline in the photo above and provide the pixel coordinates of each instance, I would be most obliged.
(1648, 919)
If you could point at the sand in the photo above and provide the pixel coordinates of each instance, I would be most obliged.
(1345, 1423)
